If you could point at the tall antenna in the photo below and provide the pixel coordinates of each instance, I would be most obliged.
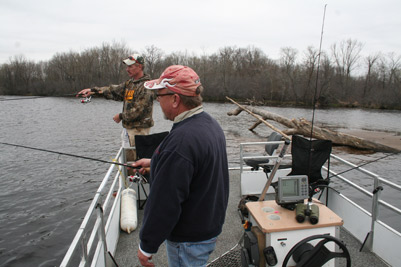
(317, 73)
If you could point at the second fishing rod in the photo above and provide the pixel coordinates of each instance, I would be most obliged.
(70, 155)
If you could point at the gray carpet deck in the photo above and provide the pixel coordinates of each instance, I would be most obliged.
(126, 255)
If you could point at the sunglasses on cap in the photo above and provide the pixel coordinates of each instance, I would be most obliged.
(132, 58)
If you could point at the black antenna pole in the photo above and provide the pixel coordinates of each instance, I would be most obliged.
(317, 73)
(315, 94)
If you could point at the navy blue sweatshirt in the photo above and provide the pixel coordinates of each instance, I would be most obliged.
(189, 185)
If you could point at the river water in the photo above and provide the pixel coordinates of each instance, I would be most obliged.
(44, 196)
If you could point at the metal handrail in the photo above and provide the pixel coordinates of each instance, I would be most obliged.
(377, 182)
(79, 243)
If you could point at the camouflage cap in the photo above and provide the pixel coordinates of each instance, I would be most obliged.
(135, 58)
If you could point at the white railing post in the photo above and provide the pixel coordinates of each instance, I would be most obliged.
(101, 232)
(84, 252)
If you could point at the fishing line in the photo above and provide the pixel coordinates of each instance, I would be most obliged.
(70, 155)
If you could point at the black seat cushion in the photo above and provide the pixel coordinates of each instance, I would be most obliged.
(146, 144)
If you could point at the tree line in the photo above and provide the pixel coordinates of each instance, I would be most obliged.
(338, 77)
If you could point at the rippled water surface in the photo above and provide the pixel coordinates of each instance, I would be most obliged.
(44, 196)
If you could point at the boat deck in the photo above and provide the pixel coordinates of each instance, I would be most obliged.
(126, 255)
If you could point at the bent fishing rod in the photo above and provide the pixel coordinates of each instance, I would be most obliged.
(70, 155)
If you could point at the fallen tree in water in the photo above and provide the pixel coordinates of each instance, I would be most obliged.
(304, 127)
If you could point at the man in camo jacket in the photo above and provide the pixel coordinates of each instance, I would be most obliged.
(136, 116)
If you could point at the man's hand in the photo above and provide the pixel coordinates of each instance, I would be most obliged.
(116, 118)
(144, 260)
(85, 92)
(144, 163)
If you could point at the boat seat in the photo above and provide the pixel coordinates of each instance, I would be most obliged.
(308, 158)
(256, 163)
(145, 145)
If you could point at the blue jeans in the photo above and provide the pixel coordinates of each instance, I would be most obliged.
(189, 254)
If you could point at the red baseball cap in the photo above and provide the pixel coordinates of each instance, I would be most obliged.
(179, 79)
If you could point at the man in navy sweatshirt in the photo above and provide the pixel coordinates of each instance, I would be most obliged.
(189, 184)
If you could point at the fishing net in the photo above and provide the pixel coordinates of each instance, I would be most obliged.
(230, 258)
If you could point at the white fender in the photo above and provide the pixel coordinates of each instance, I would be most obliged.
(129, 216)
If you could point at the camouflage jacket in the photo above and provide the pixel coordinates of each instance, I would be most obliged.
(138, 102)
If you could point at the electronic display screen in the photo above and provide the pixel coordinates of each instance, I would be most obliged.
(290, 187)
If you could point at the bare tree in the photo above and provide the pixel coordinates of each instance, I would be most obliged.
(153, 58)
(346, 57)
(225, 57)
(394, 80)
(291, 72)
(242, 73)
(370, 62)
(310, 65)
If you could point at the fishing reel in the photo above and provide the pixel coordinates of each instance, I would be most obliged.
(138, 178)
(86, 99)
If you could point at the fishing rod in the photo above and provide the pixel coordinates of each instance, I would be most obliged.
(70, 155)
(364, 164)
(34, 97)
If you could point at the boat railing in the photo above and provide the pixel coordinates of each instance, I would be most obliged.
(375, 194)
(90, 242)
(377, 182)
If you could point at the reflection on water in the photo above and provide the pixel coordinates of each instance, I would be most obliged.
(43, 196)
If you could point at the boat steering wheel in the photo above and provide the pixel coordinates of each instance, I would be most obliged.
(305, 254)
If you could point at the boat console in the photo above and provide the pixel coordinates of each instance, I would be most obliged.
(279, 235)
(280, 231)
(291, 229)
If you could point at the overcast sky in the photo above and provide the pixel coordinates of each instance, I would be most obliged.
(38, 29)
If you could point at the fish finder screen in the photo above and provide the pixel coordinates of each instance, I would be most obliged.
(290, 187)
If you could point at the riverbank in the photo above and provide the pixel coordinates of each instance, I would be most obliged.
(390, 139)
